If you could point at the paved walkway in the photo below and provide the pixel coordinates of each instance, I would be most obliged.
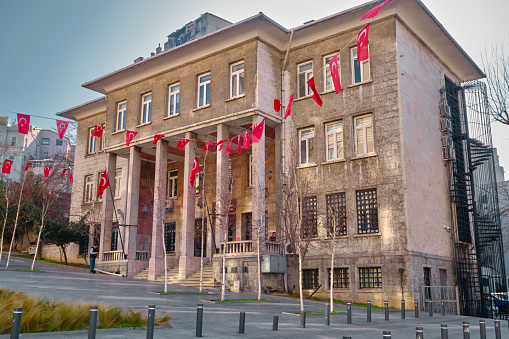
(220, 320)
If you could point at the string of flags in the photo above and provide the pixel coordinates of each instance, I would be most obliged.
(7, 166)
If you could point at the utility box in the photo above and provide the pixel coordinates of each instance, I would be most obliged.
(273, 264)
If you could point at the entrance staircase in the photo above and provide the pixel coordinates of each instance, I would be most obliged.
(192, 281)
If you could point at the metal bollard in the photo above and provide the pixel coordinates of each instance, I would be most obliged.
(275, 320)
(442, 307)
(387, 335)
(368, 307)
(466, 330)
(482, 327)
(349, 312)
(16, 322)
(430, 310)
(444, 332)
(416, 306)
(199, 320)
(347, 337)
(92, 322)
(327, 314)
(419, 333)
(303, 320)
(403, 309)
(150, 321)
(498, 335)
(386, 306)
(242, 322)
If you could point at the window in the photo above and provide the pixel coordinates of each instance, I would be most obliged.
(146, 108)
(89, 188)
(310, 278)
(100, 142)
(367, 211)
(172, 183)
(237, 76)
(360, 73)
(204, 90)
(334, 135)
(45, 155)
(118, 182)
(247, 225)
(45, 141)
(99, 175)
(91, 141)
(336, 214)
(328, 84)
(309, 220)
(370, 277)
(121, 112)
(304, 73)
(307, 150)
(340, 278)
(364, 135)
(249, 170)
(174, 100)
(59, 142)
(13, 141)
(169, 237)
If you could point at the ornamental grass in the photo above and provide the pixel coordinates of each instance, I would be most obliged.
(43, 315)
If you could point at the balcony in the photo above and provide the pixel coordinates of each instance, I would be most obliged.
(246, 247)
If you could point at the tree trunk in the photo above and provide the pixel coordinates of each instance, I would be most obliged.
(300, 281)
(16, 222)
(165, 261)
(259, 269)
(38, 242)
(332, 279)
(223, 284)
(65, 254)
(3, 230)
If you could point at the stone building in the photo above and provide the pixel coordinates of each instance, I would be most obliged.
(374, 153)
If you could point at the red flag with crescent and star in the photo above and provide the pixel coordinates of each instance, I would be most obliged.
(316, 96)
(70, 176)
(239, 148)
(103, 184)
(157, 137)
(209, 146)
(229, 148)
(219, 145)
(61, 128)
(289, 107)
(182, 143)
(23, 123)
(129, 136)
(6, 168)
(257, 132)
(27, 165)
(247, 142)
(362, 45)
(334, 71)
(373, 12)
(98, 131)
(63, 171)
(46, 170)
(196, 169)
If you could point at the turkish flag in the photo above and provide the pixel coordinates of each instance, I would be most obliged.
(247, 142)
(219, 145)
(63, 171)
(98, 131)
(61, 128)
(70, 176)
(209, 146)
(277, 105)
(334, 71)
(239, 148)
(316, 96)
(23, 123)
(182, 143)
(289, 107)
(157, 137)
(196, 169)
(6, 168)
(103, 184)
(46, 170)
(257, 132)
(362, 45)
(129, 136)
(373, 12)
(229, 148)
(26, 166)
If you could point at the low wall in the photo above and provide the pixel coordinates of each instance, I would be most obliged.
(52, 252)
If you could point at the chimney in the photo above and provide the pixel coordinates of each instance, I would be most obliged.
(152, 54)
(138, 59)
(158, 49)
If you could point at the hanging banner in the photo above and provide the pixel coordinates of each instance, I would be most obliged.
(6, 168)
(61, 128)
(23, 123)
(129, 136)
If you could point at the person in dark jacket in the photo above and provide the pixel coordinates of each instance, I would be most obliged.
(94, 250)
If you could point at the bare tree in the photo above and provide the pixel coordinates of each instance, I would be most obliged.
(496, 68)
(6, 195)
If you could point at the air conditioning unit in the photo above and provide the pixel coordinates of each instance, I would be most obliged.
(169, 205)
(445, 110)
(446, 141)
(445, 125)
(289, 248)
(448, 153)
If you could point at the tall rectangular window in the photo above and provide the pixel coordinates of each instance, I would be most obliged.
(334, 135)
(118, 182)
(247, 225)
(340, 278)
(13, 141)
(204, 90)
(328, 84)
(169, 237)
(249, 170)
(309, 219)
(336, 214)
(146, 108)
(174, 100)
(121, 112)
(370, 277)
(310, 278)
(100, 140)
(172, 183)
(304, 73)
(237, 79)
(306, 145)
(367, 211)
(91, 141)
(364, 141)
(99, 175)
(89, 188)
(360, 72)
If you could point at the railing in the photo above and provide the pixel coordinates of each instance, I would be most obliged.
(274, 247)
(113, 256)
(142, 255)
(437, 294)
(246, 246)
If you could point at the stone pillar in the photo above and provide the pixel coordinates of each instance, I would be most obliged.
(107, 206)
(258, 192)
(222, 184)
(187, 261)
(133, 200)
(156, 264)
(278, 179)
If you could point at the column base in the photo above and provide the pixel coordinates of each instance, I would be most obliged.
(187, 266)
(155, 268)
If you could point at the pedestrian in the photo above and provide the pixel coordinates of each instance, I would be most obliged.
(93, 254)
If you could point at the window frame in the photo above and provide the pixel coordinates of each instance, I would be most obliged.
(364, 128)
(341, 277)
(370, 277)
(44, 141)
(146, 106)
(206, 85)
(334, 134)
(310, 278)
(326, 67)
(308, 148)
(309, 223)
(89, 189)
(338, 199)
(58, 142)
(118, 183)
(173, 106)
(353, 59)
(13, 144)
(172, 189)
(366, 203)
(237, 74)
(308, 74)
(92, 142)
(121, 116)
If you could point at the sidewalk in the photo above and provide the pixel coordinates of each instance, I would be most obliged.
(221, 320)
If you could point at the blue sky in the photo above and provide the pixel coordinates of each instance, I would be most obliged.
(49, 48)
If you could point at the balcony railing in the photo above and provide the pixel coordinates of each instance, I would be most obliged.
(142, 255)
(113, 256)
(233, 248)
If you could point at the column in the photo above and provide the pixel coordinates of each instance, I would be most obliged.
(278, 179)
(187, 261)
(133, 200)
(222, 184)
(156, 264)
(258, 192)
(107, 206)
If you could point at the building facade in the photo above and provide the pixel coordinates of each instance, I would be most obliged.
(369, 168)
